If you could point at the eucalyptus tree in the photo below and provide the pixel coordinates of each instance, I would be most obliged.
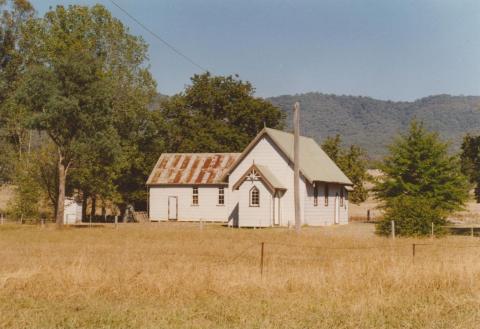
(15, 136)
(470, 161)
(352, 161)
(217, 114)
(86, 82)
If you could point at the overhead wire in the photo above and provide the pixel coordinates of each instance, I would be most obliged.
(158, 37)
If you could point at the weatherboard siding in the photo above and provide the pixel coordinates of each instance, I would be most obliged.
(267, 154)
(260, 216)
(207, 208)
(324, 215)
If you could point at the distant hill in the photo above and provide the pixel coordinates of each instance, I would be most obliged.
(372, 123)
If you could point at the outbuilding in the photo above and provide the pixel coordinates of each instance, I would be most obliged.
(72, 213)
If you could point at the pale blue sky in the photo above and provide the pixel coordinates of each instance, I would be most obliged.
(388, 49)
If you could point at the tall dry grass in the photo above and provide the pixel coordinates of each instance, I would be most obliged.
(178, 276)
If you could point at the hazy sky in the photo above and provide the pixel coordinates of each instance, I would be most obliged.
(388, 49)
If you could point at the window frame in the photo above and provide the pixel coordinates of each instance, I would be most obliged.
(326, 192)
(221, 196)
(250, 197)
(195, 196)
(342, 194)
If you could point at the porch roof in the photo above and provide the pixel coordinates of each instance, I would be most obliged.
(272, 182)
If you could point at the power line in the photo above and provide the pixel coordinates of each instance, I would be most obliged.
(175, 50)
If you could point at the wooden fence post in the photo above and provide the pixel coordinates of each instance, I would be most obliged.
(432, 229)
(393, 229)
(471, 231)
(261, 258)
(116, 221)
(368, 215)
(413, 252)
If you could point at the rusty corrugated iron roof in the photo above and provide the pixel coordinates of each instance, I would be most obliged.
(191, 168)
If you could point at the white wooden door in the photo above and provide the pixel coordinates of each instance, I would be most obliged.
(172, 208)
(337, 209)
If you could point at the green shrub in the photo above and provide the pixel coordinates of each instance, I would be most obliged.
(413, 216)
(25, 205)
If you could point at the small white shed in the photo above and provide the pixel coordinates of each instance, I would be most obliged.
(72, 211)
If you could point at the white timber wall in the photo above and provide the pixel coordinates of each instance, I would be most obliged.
(260, 216)
(207, 208)
(72, 212)
(267, 154)
(321, 214)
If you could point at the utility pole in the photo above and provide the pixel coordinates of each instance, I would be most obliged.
(296, 164)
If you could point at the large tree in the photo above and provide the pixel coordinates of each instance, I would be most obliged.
(419, 175)
(15, 137)
(470, 160)
(217, 114)
(86, 75)
(352, 161)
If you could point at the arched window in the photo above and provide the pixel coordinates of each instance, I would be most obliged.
(254, 197)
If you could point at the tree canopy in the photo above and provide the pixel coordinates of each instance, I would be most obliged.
(419, 173)
(86, 83)
(470, 161)
(14, 135)
(352, 161)
(217, 114)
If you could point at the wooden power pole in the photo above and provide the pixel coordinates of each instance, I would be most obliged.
(296, 164)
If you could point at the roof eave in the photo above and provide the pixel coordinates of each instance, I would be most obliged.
(186, 184)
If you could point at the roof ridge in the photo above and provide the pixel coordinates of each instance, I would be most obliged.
(200, 153)
(290, 133)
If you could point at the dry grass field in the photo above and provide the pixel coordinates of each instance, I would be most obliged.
(177, 276)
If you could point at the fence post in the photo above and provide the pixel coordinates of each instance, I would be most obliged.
(413, 252)
(116, 221)
(432, 229)
(393, 229)
(261, 258)
(471, 231)
(368, 215)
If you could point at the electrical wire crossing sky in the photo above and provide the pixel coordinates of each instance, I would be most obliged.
(395, 49)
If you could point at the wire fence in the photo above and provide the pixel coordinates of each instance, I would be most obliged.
(261, 247)
(262, 250)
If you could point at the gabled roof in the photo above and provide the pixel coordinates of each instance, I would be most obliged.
(315, 165)
(191, 168)
(265, 174)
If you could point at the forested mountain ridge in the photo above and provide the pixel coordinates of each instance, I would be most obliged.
(372, 123)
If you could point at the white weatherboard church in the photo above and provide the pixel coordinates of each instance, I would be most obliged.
(250, 189)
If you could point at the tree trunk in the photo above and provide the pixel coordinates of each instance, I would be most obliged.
(84, 205)
(94, 206)
(62, 177)
(123, 211)
(104, 211)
